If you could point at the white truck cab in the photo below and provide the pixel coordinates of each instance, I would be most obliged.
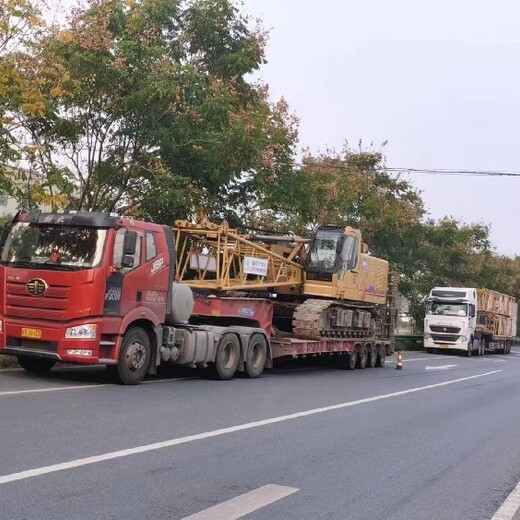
(451, 320)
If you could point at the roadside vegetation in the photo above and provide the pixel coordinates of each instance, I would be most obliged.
(147, 108)
(8, 362)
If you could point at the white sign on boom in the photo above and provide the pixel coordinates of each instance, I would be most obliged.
(256, 266)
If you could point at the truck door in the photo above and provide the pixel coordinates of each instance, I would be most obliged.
(124, 286)
(156, 273)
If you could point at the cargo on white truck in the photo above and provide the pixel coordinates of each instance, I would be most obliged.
(469, 320)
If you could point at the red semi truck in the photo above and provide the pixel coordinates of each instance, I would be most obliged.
(95, 288)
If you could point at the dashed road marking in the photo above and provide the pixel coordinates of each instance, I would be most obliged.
(439, 367)
(429, 358)
(242, 505)
(53, 468)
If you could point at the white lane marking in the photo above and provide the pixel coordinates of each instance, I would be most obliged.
(440, 367)
(51, 389)
(510, 506)
(82, 387)
(429, 358)
(222, 431)
(242, 505)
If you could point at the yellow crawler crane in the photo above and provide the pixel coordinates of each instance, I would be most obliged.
(325, 287)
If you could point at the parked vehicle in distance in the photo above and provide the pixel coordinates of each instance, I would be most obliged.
(469, 320)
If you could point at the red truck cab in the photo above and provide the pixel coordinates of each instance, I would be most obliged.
(78, 286)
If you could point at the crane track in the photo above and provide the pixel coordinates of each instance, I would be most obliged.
(313, 319)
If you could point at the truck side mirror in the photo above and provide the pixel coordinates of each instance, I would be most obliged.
(129, 244)
(472, 311)
(128, 261)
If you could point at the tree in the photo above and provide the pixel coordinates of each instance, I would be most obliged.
(21, 24)
(347, 188)
(446, 253)
(147, 109)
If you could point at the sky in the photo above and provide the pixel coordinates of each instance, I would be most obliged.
(438, 80)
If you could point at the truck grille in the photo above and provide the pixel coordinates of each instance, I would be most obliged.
(445, 338)
(51, 306)
(442, 328)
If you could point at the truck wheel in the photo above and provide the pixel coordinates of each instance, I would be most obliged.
(256, 355)
(227, 358)
(381, 357)
(372, 358)
(36, 365)
(362, 358)
(134, 357)
(469, 352)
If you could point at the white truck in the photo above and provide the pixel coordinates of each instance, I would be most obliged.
(469, 320)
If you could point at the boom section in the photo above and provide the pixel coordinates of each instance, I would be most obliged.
(214, 257)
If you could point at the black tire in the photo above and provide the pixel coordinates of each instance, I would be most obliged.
(381, 357)
(36, 365)
(362, 358)
(351, 361)
(227, 358)
(429, 351)
(372, 358)
(134, 358)
(256, 356)
(469, 352)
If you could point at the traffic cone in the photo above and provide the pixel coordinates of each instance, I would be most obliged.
(399, 361)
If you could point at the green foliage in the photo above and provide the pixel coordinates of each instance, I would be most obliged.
(147, 101)
(8, 362)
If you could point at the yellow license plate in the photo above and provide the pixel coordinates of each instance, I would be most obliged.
(443, 345)
(31, 333)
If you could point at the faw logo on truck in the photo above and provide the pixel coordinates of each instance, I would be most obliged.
(113, 294)
(36, 286)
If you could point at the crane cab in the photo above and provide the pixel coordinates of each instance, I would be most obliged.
(338, 266)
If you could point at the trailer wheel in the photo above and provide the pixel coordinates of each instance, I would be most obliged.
(372, 357)
(351, 361)
(36, 365)
(134, 357)
(256, 356)
(362, 358)
(227, 358)
(381, 357)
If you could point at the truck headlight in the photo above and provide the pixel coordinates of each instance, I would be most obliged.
(87, 331)
(463, 339)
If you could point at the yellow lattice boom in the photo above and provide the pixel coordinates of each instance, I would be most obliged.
(214, 257)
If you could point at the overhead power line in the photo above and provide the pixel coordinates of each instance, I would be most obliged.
(433, 171)
(425, 171)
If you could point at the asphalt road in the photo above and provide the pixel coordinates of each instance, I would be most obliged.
(437, 440)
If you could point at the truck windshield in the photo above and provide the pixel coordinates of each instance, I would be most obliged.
(447, 309)
(53, 247)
